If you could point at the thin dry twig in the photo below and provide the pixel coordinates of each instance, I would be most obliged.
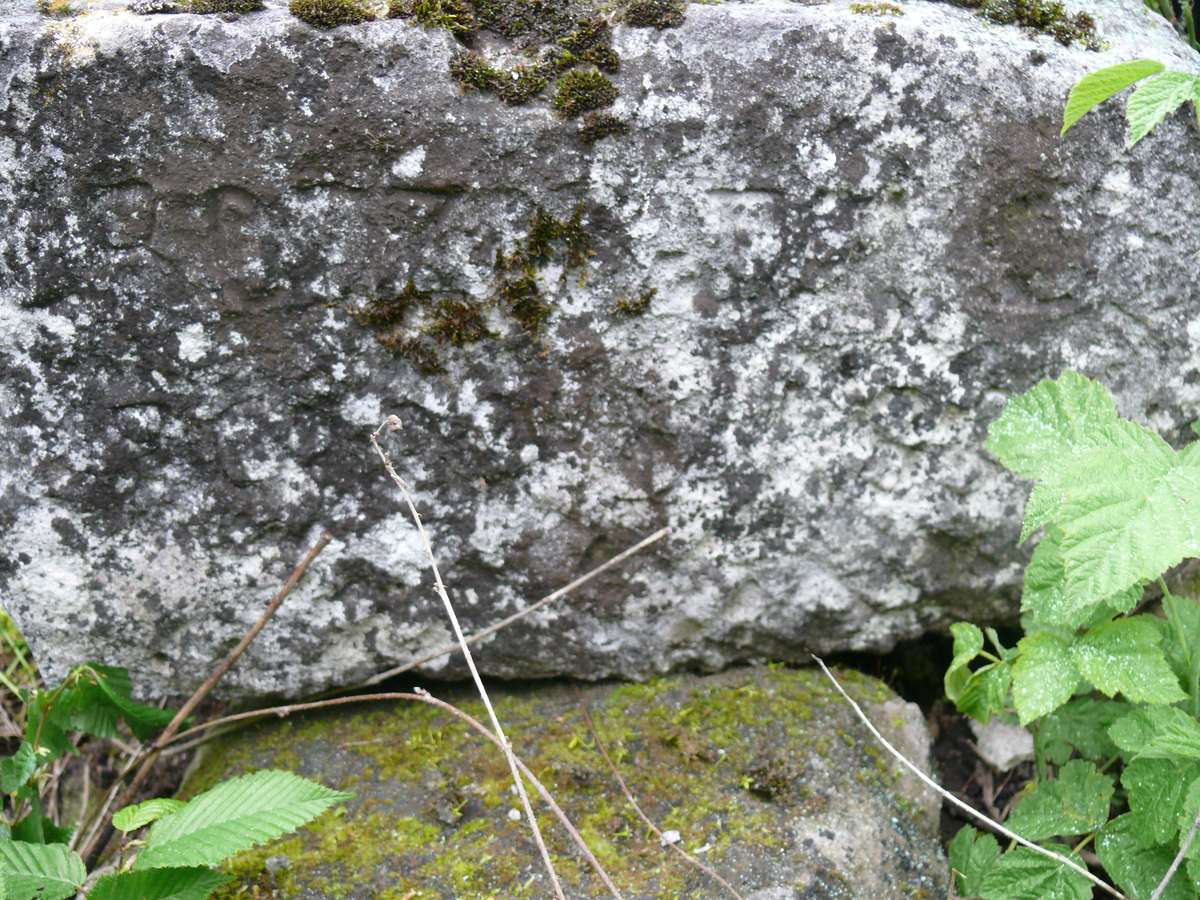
(392, 423)
(422, 696)
(691, 860)
(94, 847)
(965, 807)
(519, 614)
(1177, 861)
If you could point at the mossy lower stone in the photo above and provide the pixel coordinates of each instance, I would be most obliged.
(764, 772)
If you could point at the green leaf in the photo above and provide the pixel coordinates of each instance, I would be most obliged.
(1124, 656)
(1096, 87)
(971, 855)
(234, 816)
(1154, 100)
(16, 769)
(1045, 598)
(194, 883)
(1182, 638)
(1133, 732)
(41, 871)
(1176, 736)
(45, 721)
(1129, 513)
(1050, 423)
(131, 818)
(1136, 868)
(1156, 789)
(115, 685)
(1044, 677)
(1080, 725)
(37, 828)
(1076, 802)
(968, 643)
(986, 692)
(1022, 874)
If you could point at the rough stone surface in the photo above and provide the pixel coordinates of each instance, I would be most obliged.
(765, 774)
(862, 233)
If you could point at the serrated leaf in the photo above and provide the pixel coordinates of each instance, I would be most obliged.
(234, 816)
(131, 818)
(1133, 732)
(986, 692)
(194, 883)
(1076, 802)
(1129, 514)
(1044, 596)
(1022, 874)
(36, 827)
(1124, 656)
(144, 721)
(1156, 789)
(1154, 100)
(971, 855)
(1182, 638)
(41, 871)
(968, 642)
(1080, 725)
(1135, 867)
(1043, 677)
(1176, 735)
(1049, 423)
(16, 769)
(1096, 87)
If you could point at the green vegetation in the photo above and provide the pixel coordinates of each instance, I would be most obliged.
(634, 306)
(655, 13)
(455, 16)
(1160, 93)
(1116, 506)
(1044, 16)
(877, 9)
(330, 13)
(56, 9)
(580, 90)
(184, 840)
(598, 125)
(236, 7)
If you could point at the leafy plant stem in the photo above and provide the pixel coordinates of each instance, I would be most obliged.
(1087, 840)
(1177, 861)
(965, 807)
(92, 849)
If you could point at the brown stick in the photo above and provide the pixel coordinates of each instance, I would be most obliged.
(421, 696)
(93, 848)
(519, 614)
(691, 860)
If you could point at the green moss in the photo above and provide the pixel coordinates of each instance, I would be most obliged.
(514, 86)
(56, 9)
(877, 9)
(655, 13)
(236, 7)
(1045, 16)
(581, 90)
(455, 16)
(635, 306)
(330, 13)
(598, 125)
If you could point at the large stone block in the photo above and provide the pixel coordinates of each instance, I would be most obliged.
(856, 234)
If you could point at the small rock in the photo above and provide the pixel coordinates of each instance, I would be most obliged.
(671, 837)
(514, 815)
(274, 864)
(1001, 745)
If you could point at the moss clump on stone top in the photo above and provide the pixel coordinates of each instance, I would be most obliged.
(599, 125)
(1045, 16)
(514, 86)
(330, 13)
(655, 13)
(876, 9)
(455, 16)
(634, 306)
(221, 7)
(55, 9)
(581, 90)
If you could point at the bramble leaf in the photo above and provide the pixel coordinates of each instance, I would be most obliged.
(968, 643)
(1156, 789)
(41, 871)
(1176, 736)
(1124, 656)
(1096, 87)
(1133, 732)
(1135, 867)
(1154, 100)
(1022, 874)
(16, 769)
(1081, 725)
(1043, 677)
(131, 818)
(986, 692)
(972, 853)
(234, 816)
(193, 883)
(1044, 596)
(1076, 802)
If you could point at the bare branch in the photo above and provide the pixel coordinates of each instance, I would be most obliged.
(929, 782)
(392, 423)
(691, 860)
(1177, 861)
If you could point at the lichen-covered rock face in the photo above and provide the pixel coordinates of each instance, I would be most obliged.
(773, 305)
(765, 774)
